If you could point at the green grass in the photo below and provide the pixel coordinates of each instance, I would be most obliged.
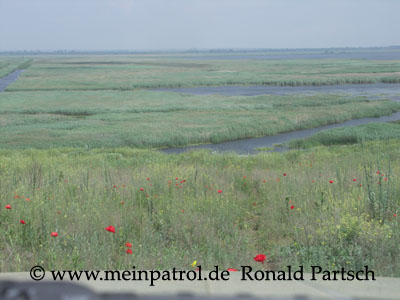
(350, 135)
(10, 64)
(147, 119)
(132, 72)
(172, 223)
(265, 149)
(90, 104)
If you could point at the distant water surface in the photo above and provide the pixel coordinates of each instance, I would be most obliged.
(389, 89)
(249, 145)
(395, 55)
(8, 79)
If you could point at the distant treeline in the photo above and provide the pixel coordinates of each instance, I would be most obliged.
(187, 51)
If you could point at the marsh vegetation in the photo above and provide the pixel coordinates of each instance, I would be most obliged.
(334, 207)
(70, 163)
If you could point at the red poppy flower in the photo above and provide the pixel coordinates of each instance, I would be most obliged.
(313, 181)
(354, 179)
(394, 215)
(54, 234)
(182, 210)
(292, 207)
(110, 229)
(114, 186)
(377, 172)
(360, 184)
(244, 176)
(278, 180)
(264, 181)
(219, 191)
(232, 270)
(16, 196)
(331, 181)
(22, 222)
(8, 206)
(284, 174)
(28, 199)
(147, 179)
(385, 179)
(129, 245)
(142, 189)
(122, 202)
(260, 258)
(176, 178)
(129, 251)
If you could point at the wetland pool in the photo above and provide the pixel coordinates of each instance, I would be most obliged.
(249, 145)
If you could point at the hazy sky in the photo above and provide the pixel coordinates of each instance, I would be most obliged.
(184, 24)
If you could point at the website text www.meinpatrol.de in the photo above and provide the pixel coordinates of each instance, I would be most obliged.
(38, 273)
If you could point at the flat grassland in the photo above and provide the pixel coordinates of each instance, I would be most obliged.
(146, 119)
(70, 129)
(10, 64)
(94, 101)
(139, 72)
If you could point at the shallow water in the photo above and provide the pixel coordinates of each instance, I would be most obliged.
(8, 79)
(249, 145)
(369, 90)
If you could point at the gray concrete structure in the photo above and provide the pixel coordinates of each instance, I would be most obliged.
(381, 288)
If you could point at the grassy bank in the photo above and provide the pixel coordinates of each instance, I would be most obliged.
(9, 65)
(130, 72)
(330, 208)
(147, 119)
(350, 135)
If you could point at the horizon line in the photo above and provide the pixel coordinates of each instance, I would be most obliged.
(190, 49)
